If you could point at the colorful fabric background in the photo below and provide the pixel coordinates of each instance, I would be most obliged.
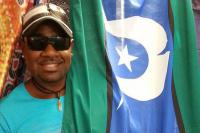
(10, 15)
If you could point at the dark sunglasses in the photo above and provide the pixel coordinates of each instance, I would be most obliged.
(39, 43)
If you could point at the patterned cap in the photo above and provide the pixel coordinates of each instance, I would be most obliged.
(44, 12)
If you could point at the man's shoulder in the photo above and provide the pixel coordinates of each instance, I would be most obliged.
(10, 108)
(12, 98)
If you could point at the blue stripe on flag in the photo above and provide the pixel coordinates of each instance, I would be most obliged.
(139, 48)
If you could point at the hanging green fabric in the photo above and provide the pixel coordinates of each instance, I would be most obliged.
(186, 70)
(85, 108)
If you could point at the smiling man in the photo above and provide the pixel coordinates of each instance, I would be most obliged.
(36, 105)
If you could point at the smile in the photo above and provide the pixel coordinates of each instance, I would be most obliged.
(50, 66)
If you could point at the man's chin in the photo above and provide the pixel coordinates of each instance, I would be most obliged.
(52, 78)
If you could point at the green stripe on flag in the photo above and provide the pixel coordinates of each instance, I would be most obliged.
(86, 97)
(186, 70)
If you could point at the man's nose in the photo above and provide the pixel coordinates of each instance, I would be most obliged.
(50, 50)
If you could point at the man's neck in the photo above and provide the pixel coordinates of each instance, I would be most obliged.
(45, 90)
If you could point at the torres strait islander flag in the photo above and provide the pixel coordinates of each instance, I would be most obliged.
(138, 43)
(139, 47)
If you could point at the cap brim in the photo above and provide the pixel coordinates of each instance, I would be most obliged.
(36, 22)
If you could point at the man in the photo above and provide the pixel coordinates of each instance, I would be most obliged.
(36, 105)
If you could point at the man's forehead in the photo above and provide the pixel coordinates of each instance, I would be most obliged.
(46, 26)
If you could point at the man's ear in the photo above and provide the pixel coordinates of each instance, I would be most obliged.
(71, 43)
(22, 43)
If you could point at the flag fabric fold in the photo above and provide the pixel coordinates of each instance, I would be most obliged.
(86, 96)
(140, 48)
(186, 69)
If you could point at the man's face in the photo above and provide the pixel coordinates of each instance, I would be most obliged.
(48, 65)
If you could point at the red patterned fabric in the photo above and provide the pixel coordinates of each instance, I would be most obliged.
(10, 16)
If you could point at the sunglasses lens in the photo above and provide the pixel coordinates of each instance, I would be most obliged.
(37, 43)
(40, 43)
(60, 43)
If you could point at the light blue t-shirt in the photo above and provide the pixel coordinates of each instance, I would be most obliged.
(22, 113)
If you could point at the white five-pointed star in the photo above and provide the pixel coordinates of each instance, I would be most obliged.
(125, 58)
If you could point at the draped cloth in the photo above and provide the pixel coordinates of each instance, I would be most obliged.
(10, 53)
